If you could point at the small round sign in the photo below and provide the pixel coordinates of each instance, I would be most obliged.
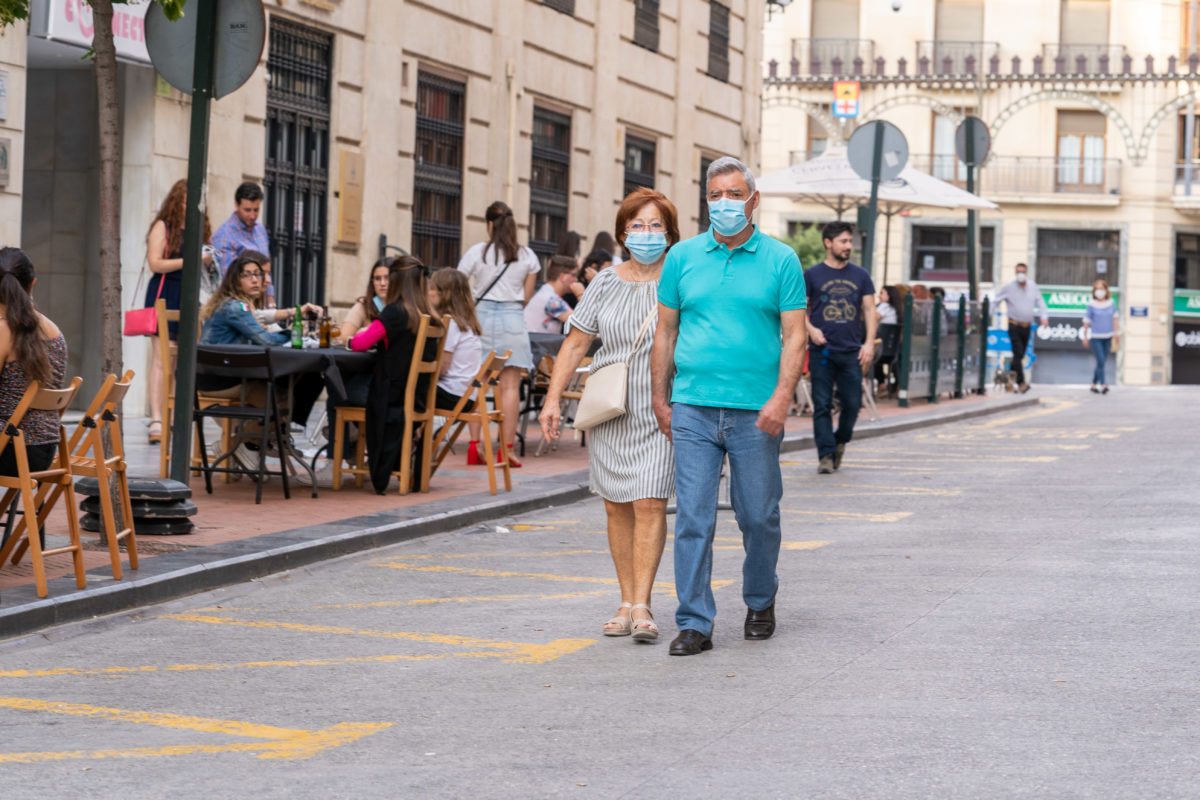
(237, 49)
(980, 139)
(860, 150)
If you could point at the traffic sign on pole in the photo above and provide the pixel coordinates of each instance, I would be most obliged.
(972, 141)
(877, 151)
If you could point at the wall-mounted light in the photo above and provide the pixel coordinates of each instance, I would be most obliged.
(895, 5)
(773, 5)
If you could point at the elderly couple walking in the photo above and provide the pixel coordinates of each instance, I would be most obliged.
(716, 379)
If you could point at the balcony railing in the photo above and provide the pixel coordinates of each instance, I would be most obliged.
(1181, 187)
(1051, 175)
(940, 57)
(1083, 59)
(832, 57)
(944, 167)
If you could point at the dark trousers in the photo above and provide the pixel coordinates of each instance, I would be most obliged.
(827, 369)
(41, 456)
(1019, 335)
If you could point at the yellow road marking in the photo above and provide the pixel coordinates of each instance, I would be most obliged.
(885, 516)
(950, 457)
(448, 556)
(289, 743)
(492, 573)
(509, 652)
(804, 545)
(1054, 406)
(427, 601)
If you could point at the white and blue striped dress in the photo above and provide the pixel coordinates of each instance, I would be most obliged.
(629, 457)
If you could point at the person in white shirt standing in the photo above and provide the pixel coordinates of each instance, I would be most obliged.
(1023, 297)
(547, 310)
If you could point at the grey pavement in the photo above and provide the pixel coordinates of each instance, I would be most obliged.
(999, 607)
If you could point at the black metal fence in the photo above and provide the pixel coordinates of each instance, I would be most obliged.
(943, 349)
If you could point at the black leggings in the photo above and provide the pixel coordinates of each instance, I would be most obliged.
(40, 458)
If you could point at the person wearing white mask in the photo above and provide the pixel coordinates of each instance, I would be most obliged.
(630, 460)
(727, 356)
(1101, 334)
(1023, 298)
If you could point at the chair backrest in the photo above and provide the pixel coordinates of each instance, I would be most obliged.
(476, 394)
(38, 399)
(102, 410)
(426, 331)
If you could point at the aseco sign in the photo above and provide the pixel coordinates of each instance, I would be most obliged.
(70, 21)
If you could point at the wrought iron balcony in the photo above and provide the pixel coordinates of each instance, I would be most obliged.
(1083, 59)
(1182, 188)
(1031, 175)
(832, 57)
(940, 57)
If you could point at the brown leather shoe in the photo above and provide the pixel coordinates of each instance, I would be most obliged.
(760, 624)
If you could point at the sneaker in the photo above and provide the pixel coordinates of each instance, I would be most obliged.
(838, 452)
(245, 458)
(323, 476)
(826, 466)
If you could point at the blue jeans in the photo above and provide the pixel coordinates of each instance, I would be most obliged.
(1100, 348)
(826, 368)
(703, 435)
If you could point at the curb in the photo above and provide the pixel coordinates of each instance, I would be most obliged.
(175, 575)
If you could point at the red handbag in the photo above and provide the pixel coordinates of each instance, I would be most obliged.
(143, 321)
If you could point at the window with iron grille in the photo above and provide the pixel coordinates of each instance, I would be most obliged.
(437, 175)
(296, 173)
(639, 163)
(718, 41)
(940, 253)
(1077, 258)
(645, 24)
(705, 161)
(565, 6)
(549, 185)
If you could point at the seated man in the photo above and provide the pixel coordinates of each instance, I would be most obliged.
(546, 311)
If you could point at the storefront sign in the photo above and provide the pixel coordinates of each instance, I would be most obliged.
(5, 152)
(70, 21)
(1187, 303)
(1071, 301)
(1185, 353)
(350, 197)
(3, 94)
(1063, 333)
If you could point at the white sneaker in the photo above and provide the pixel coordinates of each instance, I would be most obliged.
(323, 475)
(246, 458)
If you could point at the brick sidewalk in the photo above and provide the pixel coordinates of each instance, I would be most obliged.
(229, 514)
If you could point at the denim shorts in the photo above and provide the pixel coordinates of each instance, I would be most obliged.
(503, 327)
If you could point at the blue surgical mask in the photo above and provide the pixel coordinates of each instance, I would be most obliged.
(646, 248)
(728, 216)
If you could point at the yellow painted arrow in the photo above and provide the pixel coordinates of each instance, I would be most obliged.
(510, 652)
(288, 743)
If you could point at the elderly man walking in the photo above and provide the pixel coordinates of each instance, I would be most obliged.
(1023, 298)
(727, 355)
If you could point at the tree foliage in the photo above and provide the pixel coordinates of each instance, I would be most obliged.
(807, 244)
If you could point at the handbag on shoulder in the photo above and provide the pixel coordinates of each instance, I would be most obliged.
(606, 390)
(142, 321)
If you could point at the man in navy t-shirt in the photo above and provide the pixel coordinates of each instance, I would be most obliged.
(841, 340)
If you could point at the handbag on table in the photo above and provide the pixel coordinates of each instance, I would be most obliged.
(606, 390)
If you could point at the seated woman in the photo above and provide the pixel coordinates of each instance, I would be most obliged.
(229, 318)
(32, 348)
(365, 311)
(396, 328)
(462, 352)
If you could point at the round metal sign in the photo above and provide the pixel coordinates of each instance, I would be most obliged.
(241, 33)
(860, 150)
(981, 141)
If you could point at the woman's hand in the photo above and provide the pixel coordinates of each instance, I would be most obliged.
(550, 417)
(312, 309)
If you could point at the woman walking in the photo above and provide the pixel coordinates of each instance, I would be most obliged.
(630, 460)
(1100, 324)
(504, 275)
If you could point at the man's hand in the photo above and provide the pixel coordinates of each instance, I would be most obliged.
(772, 416)
(662, 412)
(866, 353)
(815, 335)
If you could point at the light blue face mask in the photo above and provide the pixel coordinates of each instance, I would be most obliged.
(647, 247)
(378, 302)
(728, 216)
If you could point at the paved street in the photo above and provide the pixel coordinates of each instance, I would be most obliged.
(999, 608)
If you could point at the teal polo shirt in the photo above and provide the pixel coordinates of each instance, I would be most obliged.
(729, 302)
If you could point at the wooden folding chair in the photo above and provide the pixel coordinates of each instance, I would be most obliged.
(167, 351)
(473, 407)
(421, 422)
(343, 415)
(59, 473)
(572, 394)
(86, 449)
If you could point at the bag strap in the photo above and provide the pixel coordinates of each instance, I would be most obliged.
(642, 332)
(494, 282)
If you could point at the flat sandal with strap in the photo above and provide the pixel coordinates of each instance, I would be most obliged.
(644, 630)
(624, 620)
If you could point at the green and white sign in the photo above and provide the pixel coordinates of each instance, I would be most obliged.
(1071, 300)
(1187, 303)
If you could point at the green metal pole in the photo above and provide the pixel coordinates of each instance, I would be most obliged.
(984, 324)
(873, 204)
(193, 235)
(972, 270)
(905, 351)
(962, 346)
(935, 347)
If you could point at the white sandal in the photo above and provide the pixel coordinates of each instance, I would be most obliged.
(625, 621)
(643, 629)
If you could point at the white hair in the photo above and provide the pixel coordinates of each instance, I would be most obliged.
(725, 165)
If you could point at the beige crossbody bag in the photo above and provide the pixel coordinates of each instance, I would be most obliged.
(606, 389)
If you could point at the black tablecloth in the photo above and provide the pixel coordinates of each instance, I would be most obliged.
(332, 362)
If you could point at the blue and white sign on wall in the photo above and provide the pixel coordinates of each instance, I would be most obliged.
(1139, 311)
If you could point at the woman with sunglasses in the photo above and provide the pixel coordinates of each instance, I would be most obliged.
(631, 461)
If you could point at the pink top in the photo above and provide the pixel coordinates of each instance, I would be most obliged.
(368, 337)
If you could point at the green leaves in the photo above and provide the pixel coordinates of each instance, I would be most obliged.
(13, 10)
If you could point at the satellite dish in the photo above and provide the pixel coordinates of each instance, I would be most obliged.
(237, 49)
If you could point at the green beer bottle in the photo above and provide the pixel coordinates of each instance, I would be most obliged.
(297, 329)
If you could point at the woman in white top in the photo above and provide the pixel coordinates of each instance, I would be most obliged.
(504, 277)
(885, 311)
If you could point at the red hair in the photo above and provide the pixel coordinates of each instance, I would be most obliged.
(638, 199)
